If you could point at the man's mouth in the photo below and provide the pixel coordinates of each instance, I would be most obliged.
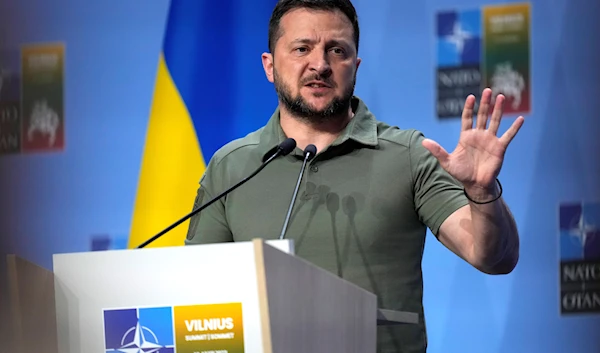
(317, 84)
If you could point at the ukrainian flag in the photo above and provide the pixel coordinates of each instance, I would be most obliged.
(188, 120)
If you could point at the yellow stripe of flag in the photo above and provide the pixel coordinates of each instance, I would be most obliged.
(172, 164)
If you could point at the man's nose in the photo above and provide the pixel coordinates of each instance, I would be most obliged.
(319, 63)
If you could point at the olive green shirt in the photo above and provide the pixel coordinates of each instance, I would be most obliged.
(362, 209)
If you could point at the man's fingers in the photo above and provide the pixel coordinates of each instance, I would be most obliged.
(484, 106)
(437, 151)
(467, 114)
(508, 136)
(497, 114)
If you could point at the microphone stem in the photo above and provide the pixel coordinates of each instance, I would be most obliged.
(287, 217)
(144, 244)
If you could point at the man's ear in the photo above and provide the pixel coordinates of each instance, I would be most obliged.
(267, 61)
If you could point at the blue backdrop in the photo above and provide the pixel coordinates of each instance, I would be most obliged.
(55, 203)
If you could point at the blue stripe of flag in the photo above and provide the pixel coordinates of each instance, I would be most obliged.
(199, 51)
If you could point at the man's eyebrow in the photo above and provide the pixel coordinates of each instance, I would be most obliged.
(303, 41)
(332, 42)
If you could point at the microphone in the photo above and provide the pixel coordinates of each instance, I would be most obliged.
(282, 149)
(309, 153)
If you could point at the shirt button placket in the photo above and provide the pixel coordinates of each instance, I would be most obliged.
(313, 168)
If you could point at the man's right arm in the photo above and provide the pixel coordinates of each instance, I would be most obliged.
(209, 225)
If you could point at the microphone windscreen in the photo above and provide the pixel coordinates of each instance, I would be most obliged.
(311, 150)
(287, 146)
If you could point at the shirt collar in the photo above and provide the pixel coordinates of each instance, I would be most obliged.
(362, 128)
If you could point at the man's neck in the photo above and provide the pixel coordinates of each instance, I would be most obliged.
(321, 135)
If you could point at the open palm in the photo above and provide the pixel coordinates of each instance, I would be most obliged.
(477, 159)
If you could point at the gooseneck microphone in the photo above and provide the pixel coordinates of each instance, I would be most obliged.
(282, 149)
(309, 153)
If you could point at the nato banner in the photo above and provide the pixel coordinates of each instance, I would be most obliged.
(479, 48)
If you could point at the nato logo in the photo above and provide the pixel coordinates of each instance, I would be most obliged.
(458, 71)
(459, 38)
(580, 232)
(145, 330)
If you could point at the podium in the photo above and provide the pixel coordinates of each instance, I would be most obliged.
(232, 297)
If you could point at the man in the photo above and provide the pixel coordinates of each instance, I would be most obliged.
(372, 190)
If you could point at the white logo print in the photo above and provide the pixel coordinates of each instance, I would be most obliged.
(135, 340)
(508, 82)
(44, 120)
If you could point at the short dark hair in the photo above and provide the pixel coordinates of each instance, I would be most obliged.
(285, 6)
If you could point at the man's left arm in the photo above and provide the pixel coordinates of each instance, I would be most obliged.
(484, 235)
(483, 232)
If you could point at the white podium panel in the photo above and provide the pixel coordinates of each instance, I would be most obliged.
(215, 298)
(162, 297)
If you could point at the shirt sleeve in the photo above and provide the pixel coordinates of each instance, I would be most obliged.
(209, 225)
(436, 193)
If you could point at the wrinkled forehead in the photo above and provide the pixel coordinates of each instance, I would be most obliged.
(315, 26)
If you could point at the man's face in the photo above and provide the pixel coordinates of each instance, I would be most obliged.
(314, 65)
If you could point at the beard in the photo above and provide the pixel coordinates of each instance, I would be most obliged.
(301, 109)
